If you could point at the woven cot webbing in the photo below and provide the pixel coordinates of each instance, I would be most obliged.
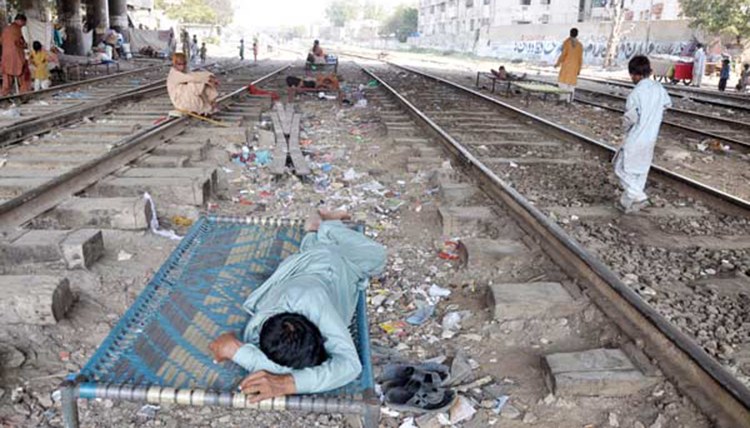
(197, 294)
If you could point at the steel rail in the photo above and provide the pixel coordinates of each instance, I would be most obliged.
(730, 122)
(17, 211)
(41, 124)
(714, 390)
(38, 94)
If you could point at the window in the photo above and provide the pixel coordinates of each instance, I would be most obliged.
(432, 10)
(469, 3)
(525, 2)
(547, 2)
(486, 2)
(442, 28)
(471, 25)
(544, 19)
(442, 7)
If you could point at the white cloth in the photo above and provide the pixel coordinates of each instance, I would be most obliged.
(699, 66)
(41, 84)
(644, 111)
(567, 97)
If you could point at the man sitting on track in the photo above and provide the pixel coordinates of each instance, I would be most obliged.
(644, 110)
(323, 82)
(298, 340)
(191, 92)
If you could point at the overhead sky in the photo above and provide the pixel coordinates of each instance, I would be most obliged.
(276, 13)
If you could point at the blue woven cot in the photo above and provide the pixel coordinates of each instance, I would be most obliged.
(158, 353)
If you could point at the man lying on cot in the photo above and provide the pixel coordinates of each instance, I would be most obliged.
(297, 340)
(191, 91)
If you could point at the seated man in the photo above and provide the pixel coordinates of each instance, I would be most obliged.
(502, 74)
(323, 82)
(192, 92)
(298, 340)
(316, 55)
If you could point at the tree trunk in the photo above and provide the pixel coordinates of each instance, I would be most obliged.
(118, 15)
(3, 14)
(613, 42)
(97, 17)
(69, 14)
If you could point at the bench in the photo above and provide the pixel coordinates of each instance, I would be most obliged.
(158, 352)
(494, 80)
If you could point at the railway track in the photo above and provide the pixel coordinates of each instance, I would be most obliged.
(37, 177)
(674, 278)
(45, 110)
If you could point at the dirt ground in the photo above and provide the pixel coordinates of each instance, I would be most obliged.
(356, 167)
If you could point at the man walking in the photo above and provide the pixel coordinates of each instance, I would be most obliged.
(644, 110)
(570, 63)
(14, 66)
(699, 65)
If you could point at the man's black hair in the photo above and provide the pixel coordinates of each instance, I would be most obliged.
(37, 46)
(20, 17)
(640, 66)
(574, 32)
(291, 340)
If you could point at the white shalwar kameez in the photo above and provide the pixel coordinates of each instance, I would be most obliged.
(643, 115)
(699, 66)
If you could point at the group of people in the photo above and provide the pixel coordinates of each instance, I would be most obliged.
(19, 73)
(190, 49)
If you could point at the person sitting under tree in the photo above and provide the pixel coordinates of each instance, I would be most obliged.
(191, 91)
(644, 111)
(297, 340)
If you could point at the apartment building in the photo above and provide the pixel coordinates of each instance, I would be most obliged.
(467, 16)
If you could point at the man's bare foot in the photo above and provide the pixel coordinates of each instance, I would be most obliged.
(334, 215)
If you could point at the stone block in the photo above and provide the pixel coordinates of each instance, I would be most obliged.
(187, 172)
(169, 190)
(131, 213)
(595, 373)
(31, 299)
(531, 300)
(33, 246)
(195, 152)
(47, 161)
(455, 219)
(154, 161)
(478, 252)
(82, 248)
(14, 186)
(235, 134)
(456, 193)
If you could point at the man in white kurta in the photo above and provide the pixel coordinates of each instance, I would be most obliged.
(191, 91)
(644, 111)
(699, 65)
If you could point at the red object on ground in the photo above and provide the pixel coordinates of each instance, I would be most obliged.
(683, 71)
(255, 91)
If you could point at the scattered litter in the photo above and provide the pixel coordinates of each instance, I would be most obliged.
(148, 411)
(462, 410)
(10, 112)
(3, 161)
(451, 324)
(437, 291)
(181, 221)
(389, 412)
(513, 165)
(450, 250)
(123, 256)
(408, 423)
(422, 314)
(154, 223)
(263, 157)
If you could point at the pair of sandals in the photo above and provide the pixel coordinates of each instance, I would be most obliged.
(417, 388)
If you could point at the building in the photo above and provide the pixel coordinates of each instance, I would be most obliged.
(534, 29)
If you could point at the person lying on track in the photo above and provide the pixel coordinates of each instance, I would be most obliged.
(191, 91)
(298, 339)
(323, 82)
(644, 111)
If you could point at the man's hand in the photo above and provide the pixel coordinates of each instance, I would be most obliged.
(225, 346)
(267, 385)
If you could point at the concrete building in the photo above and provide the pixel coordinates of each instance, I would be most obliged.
(535, 29)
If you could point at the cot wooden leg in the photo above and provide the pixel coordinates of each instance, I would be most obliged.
(477, 84)
(69, 405)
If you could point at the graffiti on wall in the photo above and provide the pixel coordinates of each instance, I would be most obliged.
(593, 52)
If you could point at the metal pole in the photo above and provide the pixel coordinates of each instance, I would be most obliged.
(69, 404)
(648, 26)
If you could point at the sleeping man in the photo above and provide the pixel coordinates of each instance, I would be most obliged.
(297, 340)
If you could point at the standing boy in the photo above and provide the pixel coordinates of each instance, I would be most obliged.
(40, 61)
(203, 53)
(724, 77)
(643, 115)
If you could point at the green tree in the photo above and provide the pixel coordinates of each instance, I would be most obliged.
(339, 12)
(403, 22)
(373, 10)
(719, 16)
(217, 12)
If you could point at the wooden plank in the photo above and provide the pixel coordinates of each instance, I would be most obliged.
(281, 149)
(286, 118)
(301, 167)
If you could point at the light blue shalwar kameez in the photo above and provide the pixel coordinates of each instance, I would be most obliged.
(322, 283)
(644, 111)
